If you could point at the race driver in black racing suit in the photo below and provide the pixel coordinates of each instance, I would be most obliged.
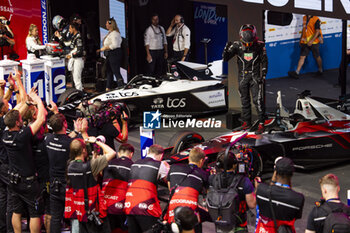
(252, 69)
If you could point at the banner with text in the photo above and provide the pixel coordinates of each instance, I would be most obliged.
(21, 14)
(210, 21)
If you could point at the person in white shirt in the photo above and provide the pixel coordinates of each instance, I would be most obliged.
(156, 47)
(113, 52)
(33, 43)
(181, 38)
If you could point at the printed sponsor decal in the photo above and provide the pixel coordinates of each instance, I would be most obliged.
(157, 103)
(176, 103)
(312, 147)
(212, 98)
(315, 5)
(44, 21)
(248, 56)
(208, 14)
(120, 94)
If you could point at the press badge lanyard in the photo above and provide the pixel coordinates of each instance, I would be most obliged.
(282, 185)
(333, 199)
(157, 33)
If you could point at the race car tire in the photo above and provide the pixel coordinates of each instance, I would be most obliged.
(71, 94)
(183, 140)
(257, 165)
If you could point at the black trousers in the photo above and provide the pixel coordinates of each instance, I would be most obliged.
(178, 55)
(157, 67)
(5, 207)
(140, 223)
(57, 207)
(117, 221)
(90, 227)
(113, 62)
(255, 85)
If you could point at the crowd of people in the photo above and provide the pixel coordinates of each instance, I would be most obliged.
(78, 180)
(72, 39)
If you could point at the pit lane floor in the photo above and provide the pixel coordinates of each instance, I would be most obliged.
(304, 182)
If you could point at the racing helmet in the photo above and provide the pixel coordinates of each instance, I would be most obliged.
(247, 34)
(57, 22)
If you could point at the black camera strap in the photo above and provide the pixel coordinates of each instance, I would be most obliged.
(86, 196)
(271, 209)
(172, 192)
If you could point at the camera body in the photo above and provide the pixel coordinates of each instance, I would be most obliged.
(14, 177)
(5, 21)
(161, 227)
(243, 156)
(94, 217)
(56, 186)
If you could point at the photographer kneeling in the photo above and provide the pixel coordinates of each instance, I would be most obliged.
(235, 188)
(82, 197)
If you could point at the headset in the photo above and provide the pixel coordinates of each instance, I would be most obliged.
(176, 226)
(222, 158)
(182, 20)
(110, 20)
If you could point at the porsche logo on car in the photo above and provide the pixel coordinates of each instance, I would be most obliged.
(312, 147)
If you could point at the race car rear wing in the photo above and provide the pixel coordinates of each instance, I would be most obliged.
(195, 71)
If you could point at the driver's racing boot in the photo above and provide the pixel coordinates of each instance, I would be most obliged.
(120, 83)
(246, 125)
(260, 129)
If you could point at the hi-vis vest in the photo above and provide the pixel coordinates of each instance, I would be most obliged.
(74, 202)
(115, 185)
(309, 30)
(141, 197)
(183, 196)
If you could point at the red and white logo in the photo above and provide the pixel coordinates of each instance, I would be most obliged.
(6, 9)
(248, 56)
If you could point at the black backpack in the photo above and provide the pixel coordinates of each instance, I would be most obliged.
(337, 221)
(223, 203)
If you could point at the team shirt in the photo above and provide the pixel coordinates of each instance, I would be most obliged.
(57, 146)
(287, 204)
(19, 150)
(182, 37)
(188, 181)
(3, 153)
(155, 37)
(244, 187)
(113, 40)
(41, 158)
(318, 215)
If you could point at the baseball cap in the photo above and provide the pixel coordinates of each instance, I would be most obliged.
(76, 16)
(284, 165)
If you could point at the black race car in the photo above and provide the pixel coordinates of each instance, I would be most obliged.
(317, 134)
